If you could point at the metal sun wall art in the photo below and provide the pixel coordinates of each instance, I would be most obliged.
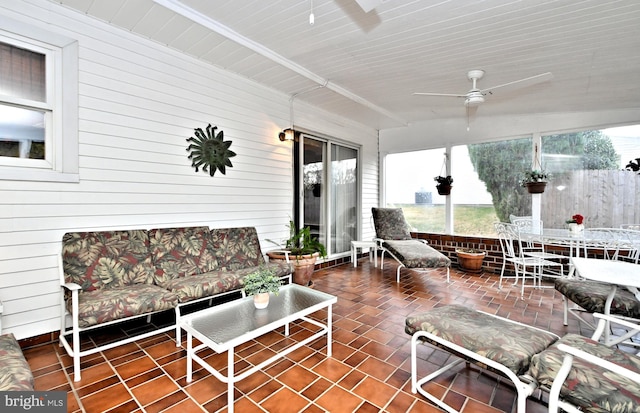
(210, 151)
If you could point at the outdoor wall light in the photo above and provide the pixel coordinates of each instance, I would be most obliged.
(287, 135)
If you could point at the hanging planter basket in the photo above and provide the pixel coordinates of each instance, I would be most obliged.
(444, 189)
(536, 187)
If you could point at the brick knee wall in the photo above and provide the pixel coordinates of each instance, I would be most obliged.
(447, 244)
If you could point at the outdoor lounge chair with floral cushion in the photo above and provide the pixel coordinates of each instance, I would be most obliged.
(584, 375)
(393, 236)
(531, 358)
(493, 343)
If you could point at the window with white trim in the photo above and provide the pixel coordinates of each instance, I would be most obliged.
(38, 133)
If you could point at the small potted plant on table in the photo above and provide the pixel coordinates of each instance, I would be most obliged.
(575, 223)
(259, 284)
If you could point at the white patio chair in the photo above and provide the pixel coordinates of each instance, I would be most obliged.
(514, 251)
(618, 243)
(535, 246)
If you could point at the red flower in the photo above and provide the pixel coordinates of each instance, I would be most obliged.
(577, 218)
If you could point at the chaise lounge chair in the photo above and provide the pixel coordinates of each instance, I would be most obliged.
(393, 237)
(579, 373)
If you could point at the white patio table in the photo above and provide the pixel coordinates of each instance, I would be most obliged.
(576, 241)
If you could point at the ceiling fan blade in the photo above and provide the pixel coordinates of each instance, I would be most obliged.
(368, 5)
(528, 81)
(440, 94)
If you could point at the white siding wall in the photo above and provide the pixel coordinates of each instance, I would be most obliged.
(139, 101)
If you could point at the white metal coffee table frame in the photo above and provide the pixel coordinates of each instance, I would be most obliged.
(294, 302)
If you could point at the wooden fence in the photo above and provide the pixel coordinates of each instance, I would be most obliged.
(605, 198)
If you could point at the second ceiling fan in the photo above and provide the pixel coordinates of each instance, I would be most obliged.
(476, 96)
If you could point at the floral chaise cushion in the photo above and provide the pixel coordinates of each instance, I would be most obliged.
(588, 386)
(417, 254)
(592, 296)
(390, 223)
(15, 374)
(504, 342)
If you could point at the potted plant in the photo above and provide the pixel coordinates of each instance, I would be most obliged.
(259, 284)
(443, 184)
(302, 249)
(470, 259)
(535, 181)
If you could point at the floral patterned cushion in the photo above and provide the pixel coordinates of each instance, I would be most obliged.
(215, 282)
(504, 342)
(417, 254)
(15, 373)
(390, 223)
(101, 306)
(107, 259)
(178, 252)
(236, 248)
(592, 296)
(588, 386)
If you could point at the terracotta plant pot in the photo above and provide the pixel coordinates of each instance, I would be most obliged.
(303, 266)
(536, 187)
(261, 300)
(470, 260)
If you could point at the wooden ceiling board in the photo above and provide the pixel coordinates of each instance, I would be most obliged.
(591, 46)
(152, 21)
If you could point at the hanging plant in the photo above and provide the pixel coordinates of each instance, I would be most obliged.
(443, 184)
(535, 180)
(633, 166)
(443, 181)
(210, 151)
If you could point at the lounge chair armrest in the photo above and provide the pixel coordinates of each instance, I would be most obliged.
(571, 351)
(602, 325)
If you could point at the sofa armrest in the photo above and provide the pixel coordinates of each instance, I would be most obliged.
(71, 286)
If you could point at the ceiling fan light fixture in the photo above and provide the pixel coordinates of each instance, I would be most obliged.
(474, 100)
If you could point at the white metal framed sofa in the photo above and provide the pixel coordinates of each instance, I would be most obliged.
(110, 277)
(531, 358)
(393, 237)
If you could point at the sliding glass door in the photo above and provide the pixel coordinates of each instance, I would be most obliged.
(327, 184)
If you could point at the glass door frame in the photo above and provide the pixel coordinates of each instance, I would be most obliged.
(298, 185)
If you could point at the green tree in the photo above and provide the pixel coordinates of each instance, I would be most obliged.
(500, 164)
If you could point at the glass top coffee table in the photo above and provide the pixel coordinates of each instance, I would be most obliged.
(224, 327)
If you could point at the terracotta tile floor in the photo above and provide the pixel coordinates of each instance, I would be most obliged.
(369, 370)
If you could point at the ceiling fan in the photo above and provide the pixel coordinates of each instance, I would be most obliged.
(476, 96)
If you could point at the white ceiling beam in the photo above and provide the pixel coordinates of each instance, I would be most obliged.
(199, 18)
